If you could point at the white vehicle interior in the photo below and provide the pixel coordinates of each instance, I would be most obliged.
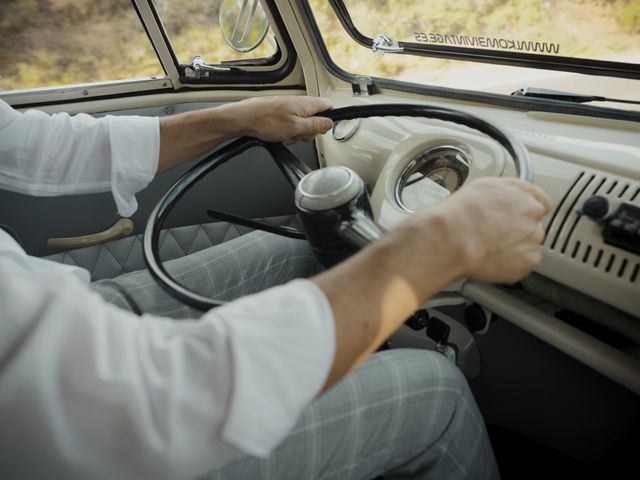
(553, 361)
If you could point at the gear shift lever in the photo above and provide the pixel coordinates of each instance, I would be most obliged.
(334, 209)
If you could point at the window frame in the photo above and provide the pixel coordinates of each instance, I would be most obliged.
(262, 70)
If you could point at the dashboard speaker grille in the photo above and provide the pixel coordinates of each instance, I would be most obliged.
(580, 239)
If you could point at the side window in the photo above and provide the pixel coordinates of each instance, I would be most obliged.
(237, 32)
(63, 42)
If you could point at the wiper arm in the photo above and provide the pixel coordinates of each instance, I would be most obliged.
(567, 96)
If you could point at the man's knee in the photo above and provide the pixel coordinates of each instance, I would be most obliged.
(426, 368)
(435, 390)
(294, 257)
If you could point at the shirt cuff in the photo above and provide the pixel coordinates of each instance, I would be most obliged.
(282, 348)
(135, 150)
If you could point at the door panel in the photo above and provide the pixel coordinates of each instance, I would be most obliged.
(125, 255)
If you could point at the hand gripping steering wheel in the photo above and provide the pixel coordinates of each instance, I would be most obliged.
(294, 170)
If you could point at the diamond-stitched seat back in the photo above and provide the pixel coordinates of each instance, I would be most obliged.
(125, 255)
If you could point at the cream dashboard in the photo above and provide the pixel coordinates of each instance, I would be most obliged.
(412, 164)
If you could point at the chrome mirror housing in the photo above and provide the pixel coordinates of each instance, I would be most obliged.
(243, 23)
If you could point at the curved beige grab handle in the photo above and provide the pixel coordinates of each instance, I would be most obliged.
(121, 228)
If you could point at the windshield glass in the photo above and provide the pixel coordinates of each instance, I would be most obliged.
(592, 29)
(578, 31)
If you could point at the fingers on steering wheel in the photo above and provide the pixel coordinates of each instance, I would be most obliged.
(539, 234)
(540, 195)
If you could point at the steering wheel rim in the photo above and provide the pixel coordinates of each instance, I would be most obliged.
(294, 170)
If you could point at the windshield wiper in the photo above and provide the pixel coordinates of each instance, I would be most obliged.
(567, 96)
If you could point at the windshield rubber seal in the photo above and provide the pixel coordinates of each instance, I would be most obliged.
(501, 100)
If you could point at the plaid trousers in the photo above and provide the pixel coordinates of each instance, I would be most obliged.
(403, 414)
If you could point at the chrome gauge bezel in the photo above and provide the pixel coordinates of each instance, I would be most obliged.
(429, 156)
(350, 127)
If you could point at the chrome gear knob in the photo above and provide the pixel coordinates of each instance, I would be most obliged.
(335, 211)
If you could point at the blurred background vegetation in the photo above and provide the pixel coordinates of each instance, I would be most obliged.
(58, 42)
(595, 29)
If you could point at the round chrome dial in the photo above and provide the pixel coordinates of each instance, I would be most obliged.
(431, 177)
(343, 130)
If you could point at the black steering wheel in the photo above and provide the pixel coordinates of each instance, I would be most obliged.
(294, 170)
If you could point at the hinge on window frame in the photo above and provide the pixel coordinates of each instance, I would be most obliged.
(385, 44)
(363, 86)
(199, 68)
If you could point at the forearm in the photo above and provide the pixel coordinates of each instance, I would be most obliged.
(373, 292)
(188, 135)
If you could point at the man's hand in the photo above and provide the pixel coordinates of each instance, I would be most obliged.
(497, 223)
(284, 119)
(273, 119)
(490, 230)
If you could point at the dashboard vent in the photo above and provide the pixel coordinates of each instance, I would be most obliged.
(580, 239)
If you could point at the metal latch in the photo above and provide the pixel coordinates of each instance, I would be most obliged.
(199, 66)
(438, 331)
(385, 44)
(363, 86)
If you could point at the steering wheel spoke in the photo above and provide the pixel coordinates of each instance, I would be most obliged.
(291, 166)
(283, 230)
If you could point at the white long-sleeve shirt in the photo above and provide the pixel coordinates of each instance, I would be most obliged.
(91, 391)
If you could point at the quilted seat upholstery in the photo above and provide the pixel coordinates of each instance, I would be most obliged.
(125, 255)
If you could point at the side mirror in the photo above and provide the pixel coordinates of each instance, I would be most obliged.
(244, 24)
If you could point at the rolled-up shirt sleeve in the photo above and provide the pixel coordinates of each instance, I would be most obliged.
(60, 154)
(92, 391)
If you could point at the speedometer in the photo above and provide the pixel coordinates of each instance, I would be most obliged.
(431, 177)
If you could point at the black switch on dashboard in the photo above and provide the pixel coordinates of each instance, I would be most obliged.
(630, 230)
(418, 320)
(622, 229)
(438, 331)
(616, 225)
(596, 208)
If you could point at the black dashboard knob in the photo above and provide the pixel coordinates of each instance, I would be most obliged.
(475, 317)
(418, 320)
(596, 207)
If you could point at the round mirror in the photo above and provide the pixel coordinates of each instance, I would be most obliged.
(431, 177)
(244, 24)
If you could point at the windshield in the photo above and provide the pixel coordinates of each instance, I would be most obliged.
(522, 33)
